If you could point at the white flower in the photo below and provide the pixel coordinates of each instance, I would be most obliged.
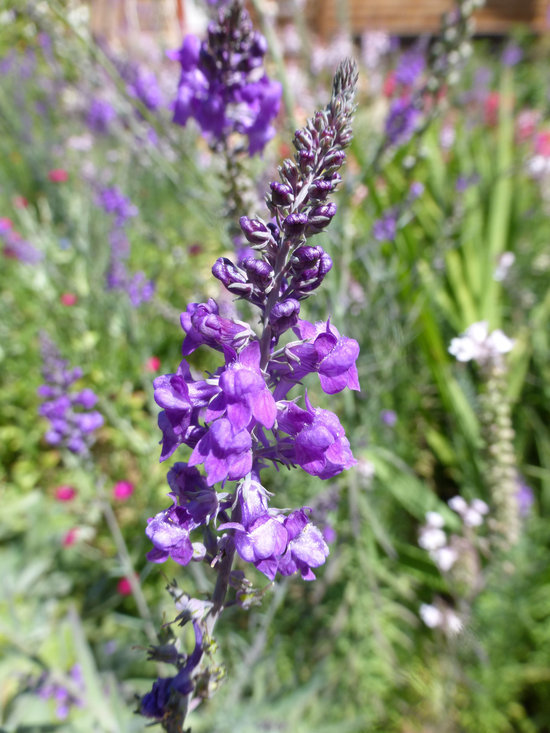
(505, 262)
(472, 518)
(434, 519)
(444, 558)
(453, 623)
(477, 344)
(480, 506)
(458, 505)
(431, 615)
(432, 538)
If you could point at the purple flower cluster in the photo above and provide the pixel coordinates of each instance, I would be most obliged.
(15, 247)
(223, 85)
(72, 419)
(64, 697)
(239, 419)
(119, 207)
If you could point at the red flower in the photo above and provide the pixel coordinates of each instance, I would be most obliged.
(68, 299)
(152, 364)
(124, 587)
(123, 490)
(65, 493)
(58, 175)
(492, 105)
(70, 538)
(389, 85)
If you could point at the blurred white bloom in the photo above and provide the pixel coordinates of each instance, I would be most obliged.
(374, 45)
(432, 538)
(480, 506)
(366, 469)
(434, 519)
(505, 262)
(82, 143)
(447, 137)
(431, 615)
(477, 344)
(472, 518)
(453, 623)
(444, 558)
(458, 504)
(538, 166)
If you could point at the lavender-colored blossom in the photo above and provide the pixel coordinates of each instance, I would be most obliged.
(100, 115)
(69, 426)
(389, 417)
(204, 326)
(222, 84)
(401, 121)
(321, 447)
(512, 55)
(411, 66)
(48, 688)
(525, 497)
(384, 229)
(15, 247)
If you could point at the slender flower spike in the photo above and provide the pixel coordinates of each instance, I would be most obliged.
(223, 85)
(240, 419)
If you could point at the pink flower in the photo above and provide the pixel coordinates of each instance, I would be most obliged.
(122, 490)
(68, 299)
(542, 144)
(65, 493)
(124, 587)
(58, 175)
(20, 202)
(70, 538)
(5, 223)
(152, 364)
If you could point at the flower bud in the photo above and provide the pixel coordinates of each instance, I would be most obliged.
(284, 315)
(334, 160)
(306, 256)
(254, 230)
(320, 189)
(320, 217)
(306, 159)
(295, 224)
(303, 139)
(232, 277)
(259, 272)
(281, 195)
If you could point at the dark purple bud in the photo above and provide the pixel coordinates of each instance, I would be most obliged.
(345, 136)
(284, 315)
(303, 139)
(320, 189)
(295, 224)
(232, 277)
(320, 217)
(254, 230)
(259, 272)
(334, 160)
(306, 257)
(310, 279)
(281, 195)
(306, 159)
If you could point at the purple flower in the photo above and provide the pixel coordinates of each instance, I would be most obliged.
(204, 326)
(410, 67)
(244, 392)
(385, 228)
(222, 85)
(512, 55)
(401, 121)
(72, 420)
(321, 447)
(306, 547)
(388, 417)
(225, 451)
(169, 533)
(100, 116)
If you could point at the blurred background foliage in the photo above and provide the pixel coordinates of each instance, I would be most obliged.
(350, 651)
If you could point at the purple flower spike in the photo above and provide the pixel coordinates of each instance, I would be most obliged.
(204, 326)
